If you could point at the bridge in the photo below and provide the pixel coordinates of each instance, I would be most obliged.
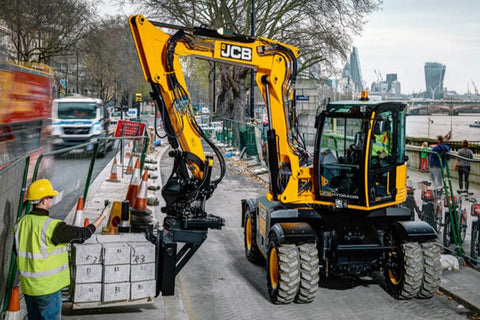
(452, 107)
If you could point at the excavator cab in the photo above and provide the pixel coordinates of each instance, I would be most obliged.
(359, 157)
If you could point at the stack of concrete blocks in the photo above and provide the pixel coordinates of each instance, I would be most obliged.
(113, 269)
(86, 269)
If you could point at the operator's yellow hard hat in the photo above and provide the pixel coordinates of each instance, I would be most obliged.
(40, 189)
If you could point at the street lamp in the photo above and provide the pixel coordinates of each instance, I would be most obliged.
(252, 72)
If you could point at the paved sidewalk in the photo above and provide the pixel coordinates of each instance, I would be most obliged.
(171, 307)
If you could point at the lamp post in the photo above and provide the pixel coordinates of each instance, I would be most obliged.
(252, 72)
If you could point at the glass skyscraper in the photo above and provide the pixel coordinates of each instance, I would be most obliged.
(355, 69)
(434, 76)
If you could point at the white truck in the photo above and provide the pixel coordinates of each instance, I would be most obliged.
(79, 119)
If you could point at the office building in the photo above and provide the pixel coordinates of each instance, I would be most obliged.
(355, 70)
(352, 72)
(434, 76)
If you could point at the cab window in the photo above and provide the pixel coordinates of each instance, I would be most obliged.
(341, 151)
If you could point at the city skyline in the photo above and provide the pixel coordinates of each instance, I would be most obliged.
(406, 34)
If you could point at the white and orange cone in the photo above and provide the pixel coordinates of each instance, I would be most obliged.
(130, 165)
(78, 218)
(127, 152)
(13, 312)
(113, 173)
(134, 184)
(141, 201)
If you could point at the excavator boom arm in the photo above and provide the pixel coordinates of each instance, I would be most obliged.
(276, 67)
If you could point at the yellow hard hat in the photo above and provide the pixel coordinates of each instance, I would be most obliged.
(40, 189)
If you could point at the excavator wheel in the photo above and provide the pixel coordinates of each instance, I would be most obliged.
(404, 273)
(283, 271)
(309, 276)
(432, 270)
(251, 249)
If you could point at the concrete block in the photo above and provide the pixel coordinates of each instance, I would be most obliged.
(116, 273)
(87, 292)
(141, 272)
(142, 253)
(116, 253)
(88, 273)
(117, 238)
(116, 291)
(87, 253)
(142, 289)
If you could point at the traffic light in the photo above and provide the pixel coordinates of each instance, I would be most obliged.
(138, 97)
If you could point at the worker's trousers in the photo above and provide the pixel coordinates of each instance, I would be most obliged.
(48, 307)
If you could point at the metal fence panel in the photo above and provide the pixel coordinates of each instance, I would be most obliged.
(11, 179)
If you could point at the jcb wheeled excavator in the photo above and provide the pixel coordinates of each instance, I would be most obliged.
(336, 216)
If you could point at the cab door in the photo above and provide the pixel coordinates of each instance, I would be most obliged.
(383, 149)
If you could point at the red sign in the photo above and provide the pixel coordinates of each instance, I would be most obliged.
(129, 129)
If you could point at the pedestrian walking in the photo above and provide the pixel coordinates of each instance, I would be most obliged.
(464, 165)
(424, 158)
(42, 258)
(436, 165)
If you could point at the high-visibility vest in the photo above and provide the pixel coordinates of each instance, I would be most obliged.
(42, 266)
(380, 144)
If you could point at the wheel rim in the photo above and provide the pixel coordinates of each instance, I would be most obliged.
(395, 273)
(248, 234)
(273, 268)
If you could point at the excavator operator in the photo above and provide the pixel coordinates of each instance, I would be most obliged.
(381, 143)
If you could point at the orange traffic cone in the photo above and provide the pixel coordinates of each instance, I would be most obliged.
(134, 184)
(77, 220)
(13, 312)
(130, 165)
(86, 222)
(113, 173)
(141, 201)
(127, 153)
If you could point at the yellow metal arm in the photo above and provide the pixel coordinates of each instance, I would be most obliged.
(275, 65)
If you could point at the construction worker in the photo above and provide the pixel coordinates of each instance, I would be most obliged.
(42, 256)
(381, 144)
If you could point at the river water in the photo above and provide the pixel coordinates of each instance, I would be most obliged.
(421, 127)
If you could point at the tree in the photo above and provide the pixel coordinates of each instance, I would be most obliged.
(322, 29)
(111, 64)
(45, 29)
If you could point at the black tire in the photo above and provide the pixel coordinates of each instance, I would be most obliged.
(102, 149)
(110, 145)
(283, 272)
(432, 270)
(474, 244)
(249, 231)
(403, 275)
(429, 215)
(447, 232)
(309, 277)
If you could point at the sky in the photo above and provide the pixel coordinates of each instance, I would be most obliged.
(407, 33)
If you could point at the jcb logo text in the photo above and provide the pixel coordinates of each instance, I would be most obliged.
(236, 52)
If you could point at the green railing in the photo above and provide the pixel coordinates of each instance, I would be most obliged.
(239, 135)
